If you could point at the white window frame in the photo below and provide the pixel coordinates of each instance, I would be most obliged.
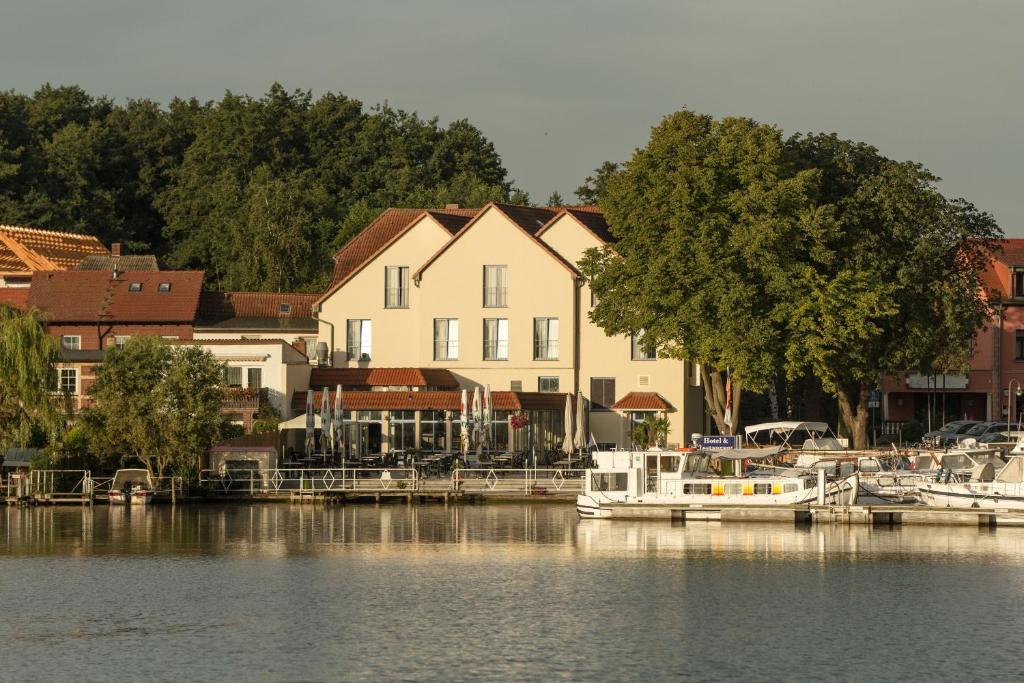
(73, 372)
(495, 286)
(446, 347)
(496, 349)
(71, 346)
(549, 378)
(545, 338)
(120, 340)
(359, 347)
(636, 349)
(396, 287)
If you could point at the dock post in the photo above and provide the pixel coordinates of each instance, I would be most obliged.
(821, 486)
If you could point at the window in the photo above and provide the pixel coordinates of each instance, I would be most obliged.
(433, 430)
(396, 287)
(593, 299)
(602, 392)
(762, 489)
(1019, 346)
(359, 339)
(669, 463)
(495, 286)
(71, 342)
(233, 377)
(545, 338)
(163, 287)
(403, 430)
(284, 309)
(446, 339)
(696, 489)
(613, 481)
(121, 340)
(255, 378)
(639, 350)
(68, 380)
(495, 339)
(734, 489)
(135, 287)
(547, 385)
(1017, 283)
(515, 385)
(170, 337)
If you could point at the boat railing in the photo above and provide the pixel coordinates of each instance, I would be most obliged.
(525, 481)
(309, 479)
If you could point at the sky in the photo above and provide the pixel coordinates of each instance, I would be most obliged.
(560, 86)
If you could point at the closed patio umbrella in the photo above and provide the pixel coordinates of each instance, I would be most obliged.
(310, 423)
(338, 423)
(567, 438)
(487, 418)
(477, 420)
(464, 419)
(579, 440)
(325, 419)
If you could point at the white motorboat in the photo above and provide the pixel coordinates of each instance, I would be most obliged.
(654, 483)
(131, 487)
(986, 487)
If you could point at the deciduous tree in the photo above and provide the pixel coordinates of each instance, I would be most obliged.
(28, 379)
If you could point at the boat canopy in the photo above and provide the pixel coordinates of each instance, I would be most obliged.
(786, 429)
(748, 453)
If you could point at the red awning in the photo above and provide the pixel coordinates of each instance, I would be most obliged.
(642, 400)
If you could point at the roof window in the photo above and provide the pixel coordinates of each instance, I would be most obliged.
(284, 309)
(135, 287)
(164, 287)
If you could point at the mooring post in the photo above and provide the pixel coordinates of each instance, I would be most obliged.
(821, 486)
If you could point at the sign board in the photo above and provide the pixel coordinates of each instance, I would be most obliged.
(875, 399)
(719, 443)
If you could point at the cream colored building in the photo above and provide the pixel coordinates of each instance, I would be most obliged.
(493, 296)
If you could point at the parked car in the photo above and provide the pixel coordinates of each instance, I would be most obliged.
(981, 429)
(1001, 437)
(947, 433)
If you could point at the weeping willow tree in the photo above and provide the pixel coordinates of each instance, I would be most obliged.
(28, 377)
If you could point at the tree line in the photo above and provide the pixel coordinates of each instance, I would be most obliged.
(258, 192)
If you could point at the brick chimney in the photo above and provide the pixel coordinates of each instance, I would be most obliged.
(115, 249)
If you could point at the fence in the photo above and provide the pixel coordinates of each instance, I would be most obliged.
(329, 479)
(524, 481)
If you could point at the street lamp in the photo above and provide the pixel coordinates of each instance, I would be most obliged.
(1020, 392)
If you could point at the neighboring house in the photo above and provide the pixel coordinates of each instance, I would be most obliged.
(90, 312)
(259, 315)
(258, 371)
(116, 261)
(987, 390)
(24, 251)
(493, 297)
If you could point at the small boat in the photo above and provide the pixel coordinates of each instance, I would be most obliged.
(985, 487)
(131, 487)
(652, 483)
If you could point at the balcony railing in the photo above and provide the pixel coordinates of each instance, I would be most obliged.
(496, 349)
(545, 350)
(236, 398)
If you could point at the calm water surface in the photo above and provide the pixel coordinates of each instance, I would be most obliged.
(277, 592)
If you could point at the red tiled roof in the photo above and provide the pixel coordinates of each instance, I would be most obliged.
(642, 400)
(216, 306)
(14, 297)
(94, 296)
(384, 229)
(382, 377)
(430, 400)
(26, 250)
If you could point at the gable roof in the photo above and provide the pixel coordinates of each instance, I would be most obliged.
(87, 296)
(382, 377)
(642, 400)
(529, 219)
(123, 264)
(256, 310)
(27, 250)
(382, 232)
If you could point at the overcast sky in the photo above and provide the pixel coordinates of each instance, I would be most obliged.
(560, 86)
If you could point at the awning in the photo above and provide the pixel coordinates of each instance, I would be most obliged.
(786, 427)
(299, 422)
(433, 400)
(748, 453)
(642, 400)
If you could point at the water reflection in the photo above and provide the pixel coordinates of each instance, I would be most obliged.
(284, 530)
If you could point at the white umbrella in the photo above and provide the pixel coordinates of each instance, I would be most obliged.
(310, 423)
(338, 423)
(579, 441)
(464, 419)
(567, 438)
(477, 419)
(325, 418)
(488, 417)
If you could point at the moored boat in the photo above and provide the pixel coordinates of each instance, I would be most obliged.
(653, 483)
(986, 488)
(131, 487)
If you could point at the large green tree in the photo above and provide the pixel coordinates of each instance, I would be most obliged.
(706, 217)
(891, 278)
(157, 403)
(28, 379)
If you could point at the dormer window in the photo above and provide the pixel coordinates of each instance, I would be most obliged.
(164, 287)
(1017, 282)
(135, 287)
(284, 309)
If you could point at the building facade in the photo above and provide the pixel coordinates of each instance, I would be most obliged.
(493, 297)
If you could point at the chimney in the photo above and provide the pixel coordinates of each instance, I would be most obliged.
(115, 249)
(452, 206)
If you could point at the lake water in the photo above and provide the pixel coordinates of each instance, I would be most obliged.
(501, 592)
